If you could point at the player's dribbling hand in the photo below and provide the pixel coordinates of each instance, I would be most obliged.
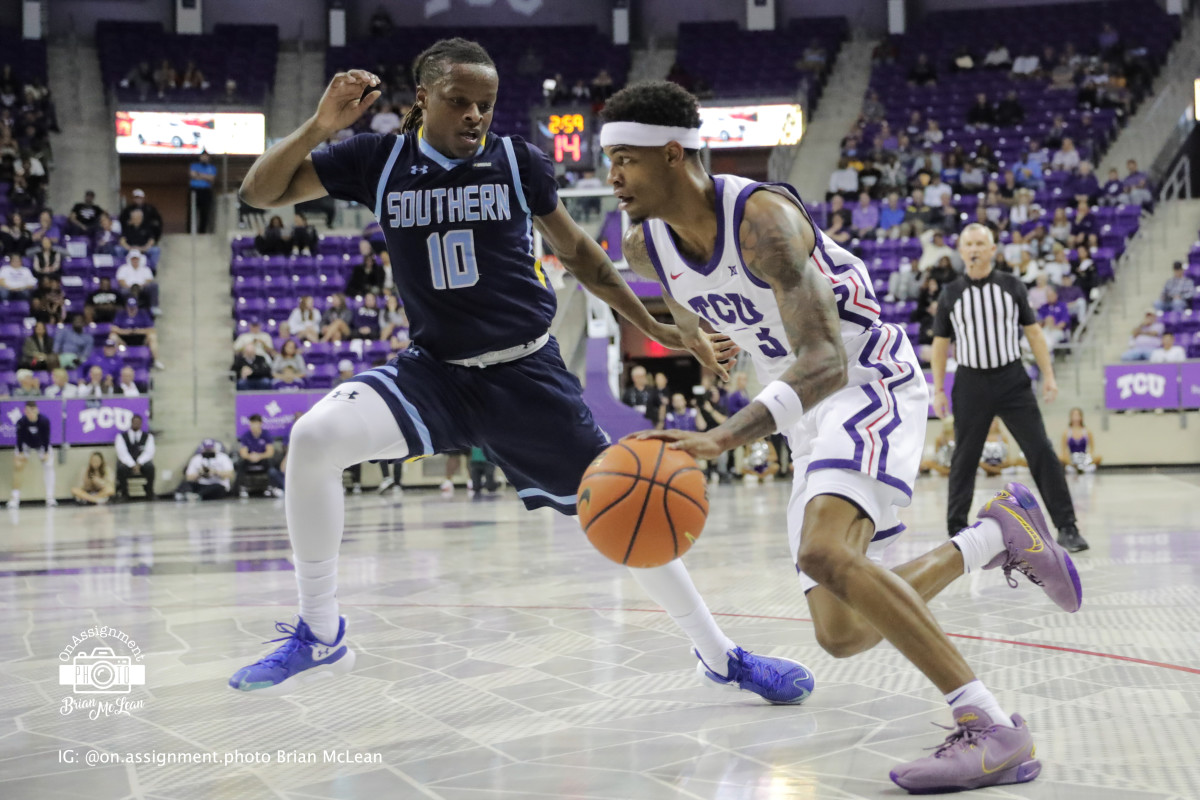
(698, 445)
(343, 102)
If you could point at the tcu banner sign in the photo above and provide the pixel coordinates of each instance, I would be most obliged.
(1141, 386)
(98, 421)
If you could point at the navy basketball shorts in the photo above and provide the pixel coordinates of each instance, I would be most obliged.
(528, 417)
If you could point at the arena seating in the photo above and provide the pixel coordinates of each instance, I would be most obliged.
(27, 59)
(578, 52)
(758, 63)
(246, 53)
(1186, 325)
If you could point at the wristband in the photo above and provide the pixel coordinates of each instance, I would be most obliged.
(783, 403)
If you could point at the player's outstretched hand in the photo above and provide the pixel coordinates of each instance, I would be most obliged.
(698, 445)
(715, 351)
(343, 102)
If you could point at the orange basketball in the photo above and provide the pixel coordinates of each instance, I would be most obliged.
(641, 504)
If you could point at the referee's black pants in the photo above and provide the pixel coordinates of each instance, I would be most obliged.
(1007, 392)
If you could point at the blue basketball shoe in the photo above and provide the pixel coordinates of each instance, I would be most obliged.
(777, 680)
(300, 661)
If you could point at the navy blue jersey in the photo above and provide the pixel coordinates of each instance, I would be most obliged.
(33, 435)
(460, 234)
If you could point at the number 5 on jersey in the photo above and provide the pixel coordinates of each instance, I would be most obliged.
(452, 259)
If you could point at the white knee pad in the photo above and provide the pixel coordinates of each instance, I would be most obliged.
(340, 433)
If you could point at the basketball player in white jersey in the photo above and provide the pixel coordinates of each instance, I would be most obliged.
(848, 392)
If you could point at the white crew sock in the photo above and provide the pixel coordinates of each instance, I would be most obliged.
(317, 581)
(979, 543)
(48, 477)
(671, 587)
(976, 694)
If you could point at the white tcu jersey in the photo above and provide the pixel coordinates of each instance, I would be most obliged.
(741, 305)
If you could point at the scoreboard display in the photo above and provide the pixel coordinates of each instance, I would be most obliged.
(565, 135)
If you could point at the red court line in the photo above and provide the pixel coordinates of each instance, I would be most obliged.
(1014, 642)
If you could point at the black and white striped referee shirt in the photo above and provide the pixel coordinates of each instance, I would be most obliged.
(984, 318)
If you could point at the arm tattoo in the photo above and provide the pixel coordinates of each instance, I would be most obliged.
(777, 242)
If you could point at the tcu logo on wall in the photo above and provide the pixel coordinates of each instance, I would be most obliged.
(105, 417)
(1142, 383)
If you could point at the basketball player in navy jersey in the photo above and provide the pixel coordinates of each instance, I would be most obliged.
(457, 206)
(847, 391)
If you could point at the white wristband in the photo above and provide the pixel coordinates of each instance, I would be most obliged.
(783, 403)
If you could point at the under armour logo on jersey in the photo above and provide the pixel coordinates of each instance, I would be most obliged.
(733, 269)
(340, 394)
(421, 169)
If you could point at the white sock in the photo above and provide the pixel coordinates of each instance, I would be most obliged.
(317, 581)
(671, 587)
(48, 478)
(979, 543)
(976, 694)
(16, 494)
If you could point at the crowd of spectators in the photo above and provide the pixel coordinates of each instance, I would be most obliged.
(27, 118)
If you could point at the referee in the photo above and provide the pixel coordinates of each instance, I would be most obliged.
(985, 312)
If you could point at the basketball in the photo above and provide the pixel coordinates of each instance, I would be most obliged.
(642, 504)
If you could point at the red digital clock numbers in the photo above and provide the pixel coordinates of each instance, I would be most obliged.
(568, 145)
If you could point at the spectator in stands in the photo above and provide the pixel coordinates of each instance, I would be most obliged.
(140, 78)
(304, 321)
(1062, 76)
(946, 216)
(923, 72)
(1084, 272)
(981, 113)
(289, 356)
(137, 281)
(1009, 111)
(1140, 195)
(60, 385)
(106, 239)
(1178, 291)
(917, 216)
(28, 384)
(1038, 294)
(873, 110)
(273, 240)
(602, 87)
(933, 133)
(48, 303)
(933, 249)
(17, 281)
(1147, 337)
(1055, 319)
(1026, 65)
(134, 327)
(289, 381)
(335, 322)
(581, 93)
(1168, 352)
(47, 228)
(385, 264)
(904, 283)
(1133, 174)
(166, 79)
(108, 359)
(393, 322)
(386, 120)
(150, 215)
(997, 57)
(135, 457)
(193, 78)
(843, 181)
(963, 60)
(642, 396)
(1067, 158)
(95, 484)
(138, 234)
(37, 351)
(865, 217)
(367, 275)
(936, 189)
(252, 370)
(891, 215)
(345, 371)
(97, 384)
(256, 449)
(47, 260)
(837, 208)
(1108, 40)
(1060, 226)
(1073, 296)
(202, 175)
(1113, 189)
(85, 216)
(102, 305)
(1028, 172)
(208, 474)
(256, 337)
(126, 384)
(1084, 184)
(1022, 209)
(15, 237)
(304, 237)
(836, 231)
(366, 318)
(683, 416)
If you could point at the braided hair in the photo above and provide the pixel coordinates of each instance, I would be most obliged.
(435, 63)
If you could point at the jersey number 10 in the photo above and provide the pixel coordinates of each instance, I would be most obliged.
(452, 259)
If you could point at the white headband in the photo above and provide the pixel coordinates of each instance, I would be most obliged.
(639, 134)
